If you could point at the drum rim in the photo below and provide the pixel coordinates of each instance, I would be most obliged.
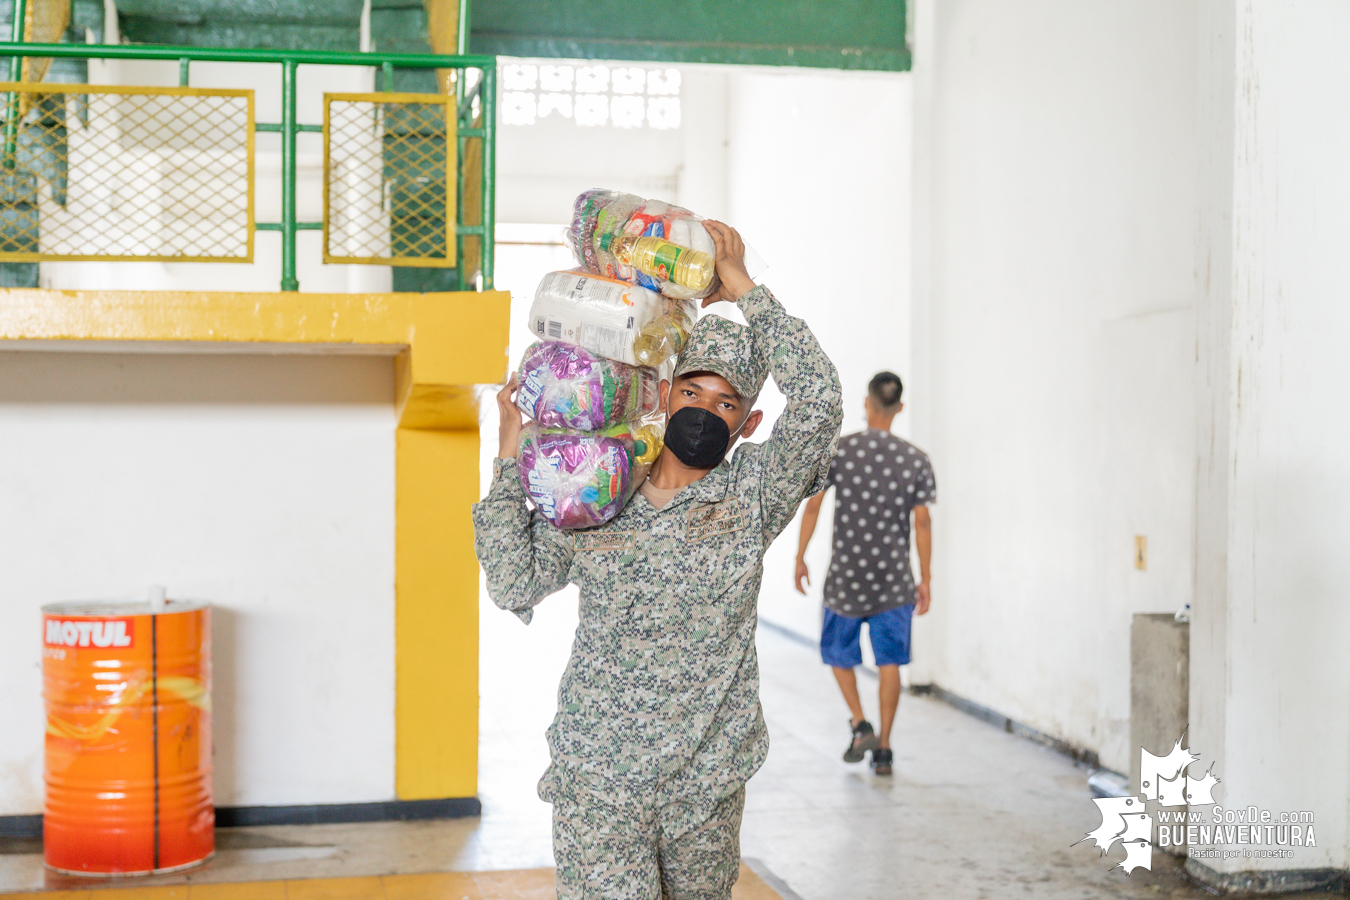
(104, 609)
(87, 873)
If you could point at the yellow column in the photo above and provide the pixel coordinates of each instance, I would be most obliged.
(436, 619)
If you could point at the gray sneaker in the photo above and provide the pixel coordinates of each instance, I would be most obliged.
(882, 759)
(864, 739)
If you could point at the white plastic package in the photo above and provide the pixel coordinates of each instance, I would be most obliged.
(611, 318)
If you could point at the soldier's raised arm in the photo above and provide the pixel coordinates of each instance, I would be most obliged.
(525, 558)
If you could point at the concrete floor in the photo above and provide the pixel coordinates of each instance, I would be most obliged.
(514, 884)
(971, 811)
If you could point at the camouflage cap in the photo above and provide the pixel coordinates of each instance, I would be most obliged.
(725, 348)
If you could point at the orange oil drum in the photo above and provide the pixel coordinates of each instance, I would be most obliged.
(128, 737)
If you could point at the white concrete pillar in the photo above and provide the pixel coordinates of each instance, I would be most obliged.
(1270, 671)
(919, 384)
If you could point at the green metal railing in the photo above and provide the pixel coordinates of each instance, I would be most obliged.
(15, 73)
(476, 121)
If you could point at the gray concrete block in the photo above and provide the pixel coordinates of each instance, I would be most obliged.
(1160, 684)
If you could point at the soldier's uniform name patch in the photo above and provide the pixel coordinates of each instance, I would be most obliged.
(720, 518)
(604, 540)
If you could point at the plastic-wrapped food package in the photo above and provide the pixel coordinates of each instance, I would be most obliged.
(610, 221)
(585, 211)
(649, 242)
(611, 318)
(580, 480)
(566, 386)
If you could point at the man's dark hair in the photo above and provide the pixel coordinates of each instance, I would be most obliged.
(885, 389)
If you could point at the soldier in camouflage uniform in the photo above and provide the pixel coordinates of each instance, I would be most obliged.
(659, 724)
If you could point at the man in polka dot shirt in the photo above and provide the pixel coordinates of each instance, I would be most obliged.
(879, 480)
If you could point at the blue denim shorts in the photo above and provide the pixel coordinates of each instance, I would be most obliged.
(841, 637)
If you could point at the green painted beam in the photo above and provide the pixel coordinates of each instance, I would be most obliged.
(837, 34)
(322, 11)
(723, 54)
(400, 26)
(19, 275)
(261, 35)
(267, 24)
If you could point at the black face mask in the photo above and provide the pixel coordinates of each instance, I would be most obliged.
(698, 438)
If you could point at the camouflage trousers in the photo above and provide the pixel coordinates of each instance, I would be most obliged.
(670, 853)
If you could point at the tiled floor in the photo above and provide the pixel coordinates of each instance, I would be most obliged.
(971, 812)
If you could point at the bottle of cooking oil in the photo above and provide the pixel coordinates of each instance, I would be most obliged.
(662, 259)
(659, 340)
(617, 244)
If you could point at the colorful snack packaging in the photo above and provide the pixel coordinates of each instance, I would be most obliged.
(585, 211)
(566, 386)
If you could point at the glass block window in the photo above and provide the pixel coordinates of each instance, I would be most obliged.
(594, 95)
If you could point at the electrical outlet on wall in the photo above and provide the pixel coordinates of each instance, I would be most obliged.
(1140, 552)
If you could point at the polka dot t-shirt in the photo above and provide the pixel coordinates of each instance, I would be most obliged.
(878, 478)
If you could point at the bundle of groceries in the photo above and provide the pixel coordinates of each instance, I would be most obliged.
(649, 243)
(594, 433)
(607, 331)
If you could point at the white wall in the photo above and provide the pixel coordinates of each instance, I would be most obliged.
(1055, 163)
(1270, 676)
(263, 484)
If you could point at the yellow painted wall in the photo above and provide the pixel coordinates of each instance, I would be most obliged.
(436, 631)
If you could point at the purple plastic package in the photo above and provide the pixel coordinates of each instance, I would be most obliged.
(585, 209)
(575, 479)
(565, 386)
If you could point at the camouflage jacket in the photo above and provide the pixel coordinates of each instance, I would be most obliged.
(660, 699)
